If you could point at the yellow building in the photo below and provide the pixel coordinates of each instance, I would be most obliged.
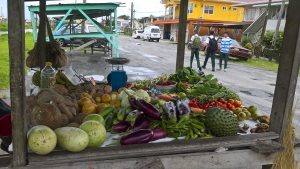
(200, 12)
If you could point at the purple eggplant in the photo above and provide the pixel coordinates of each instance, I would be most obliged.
(141, 122)
(138, 137)
(120, 127)
(149, 109)
(183, 108)
(170, 110)
(133, 103)
(158, 134)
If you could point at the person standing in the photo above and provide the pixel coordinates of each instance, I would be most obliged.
(195, 47)
(226, 44)
(211, 48)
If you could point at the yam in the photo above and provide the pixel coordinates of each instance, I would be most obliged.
(46, 114)
(64, 109)
(79, 118)
(60, 89)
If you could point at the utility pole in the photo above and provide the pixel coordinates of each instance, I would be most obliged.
(131, 16)
(282, 9)
(181, 34)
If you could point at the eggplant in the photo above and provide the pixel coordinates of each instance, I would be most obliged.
(158, 134)
(120, 127)
(141, 122)
(149, 109)
(133, 103)
(183, 108)
(137, 137)
(170, 110)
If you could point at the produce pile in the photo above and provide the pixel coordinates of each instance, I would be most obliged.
(184, 105)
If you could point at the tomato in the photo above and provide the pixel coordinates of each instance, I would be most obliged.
(230, 106)
(237, 103)
(193, 104)
(231, 101)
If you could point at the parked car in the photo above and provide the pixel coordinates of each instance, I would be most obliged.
(151, 33)
(137, 34)
(65, 30)
(237, 50)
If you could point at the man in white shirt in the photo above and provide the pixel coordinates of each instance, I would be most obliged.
(211, 48)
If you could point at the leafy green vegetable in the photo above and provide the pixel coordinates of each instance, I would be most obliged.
(211, 91)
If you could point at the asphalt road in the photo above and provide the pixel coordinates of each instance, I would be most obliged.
(149, 59)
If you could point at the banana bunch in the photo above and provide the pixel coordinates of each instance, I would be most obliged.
(62, 79)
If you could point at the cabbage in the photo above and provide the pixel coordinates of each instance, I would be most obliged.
(142, 94)
(125, 102)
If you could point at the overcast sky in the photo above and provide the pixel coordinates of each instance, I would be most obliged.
(142, 7)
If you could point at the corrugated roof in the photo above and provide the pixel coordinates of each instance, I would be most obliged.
(254, 2)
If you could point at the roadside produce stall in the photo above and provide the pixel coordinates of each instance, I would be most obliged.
(182, 120)
(184, 105)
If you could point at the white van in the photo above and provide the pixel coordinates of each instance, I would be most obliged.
(151, 33)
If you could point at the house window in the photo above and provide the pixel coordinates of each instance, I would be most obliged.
(224, 8)
(234, 8)
(208, 9)
(171, 8)
(190, 8)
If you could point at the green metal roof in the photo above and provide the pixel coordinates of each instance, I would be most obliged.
(92, 9)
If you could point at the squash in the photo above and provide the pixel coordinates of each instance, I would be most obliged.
(84, 100)
(89, 108)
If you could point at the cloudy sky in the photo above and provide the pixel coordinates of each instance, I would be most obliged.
(142, 7)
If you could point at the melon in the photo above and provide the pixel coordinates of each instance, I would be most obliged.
(95, 117)
(72, 139)
(96, 132)
(41, 139)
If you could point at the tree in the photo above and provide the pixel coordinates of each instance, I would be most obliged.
(126, 17)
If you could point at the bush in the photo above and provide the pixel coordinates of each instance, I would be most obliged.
(128, 31)
(3, 26)
(268, 39)
(246, 40)
(249, 46)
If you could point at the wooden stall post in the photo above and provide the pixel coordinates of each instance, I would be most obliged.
(288, 71)
(181, 34)
(16, 33)
(42, 34)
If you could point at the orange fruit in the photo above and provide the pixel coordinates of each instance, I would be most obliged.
(114, 96)
(117, 103)
(101, 106)
(98, 99)
(106, 98)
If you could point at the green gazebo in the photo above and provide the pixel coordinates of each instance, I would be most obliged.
(85, 12)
